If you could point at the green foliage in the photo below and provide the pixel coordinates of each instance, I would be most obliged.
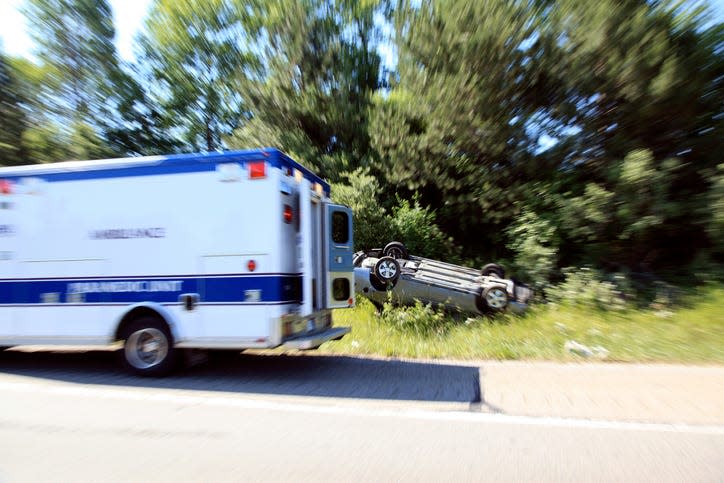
(12, 117)
(551, 133)
(625, 223)
(588, 288)
(586, 217)
(419, 319)
(416, 227)
(375, 226)
(139, 126)
(320, 70)
(74, 41)
(693, 333)
(454, 126)
(716, 202)
(193, 50)
(534, 243)
(85, 143)
(361, 192)
(44, 143)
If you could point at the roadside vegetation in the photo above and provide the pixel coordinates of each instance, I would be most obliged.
(690, 332)
(578, 144)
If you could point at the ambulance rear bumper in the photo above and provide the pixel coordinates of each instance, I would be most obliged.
(313, 341)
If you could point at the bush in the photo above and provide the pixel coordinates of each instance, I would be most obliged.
(588, 288)
(415, 226)
(361, 192)
(374, 227)
(533, 239)
(419, 319)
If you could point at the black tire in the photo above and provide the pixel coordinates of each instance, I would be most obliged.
(358, 258)
(377, 284)
(148, 348)
(493, 269)
(494, 299)
(387, 270)
(395, 250)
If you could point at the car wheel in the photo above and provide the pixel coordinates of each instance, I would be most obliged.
(148, 347)
(493, 269)
(495, 298)
(387, 270)
(395, 250)
(358, 258)
(379, 285)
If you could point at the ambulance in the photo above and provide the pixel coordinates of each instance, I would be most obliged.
(229, 250)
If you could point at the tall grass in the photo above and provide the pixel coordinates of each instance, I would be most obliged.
(692, 333)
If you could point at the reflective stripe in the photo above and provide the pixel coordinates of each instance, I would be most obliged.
(259, 288)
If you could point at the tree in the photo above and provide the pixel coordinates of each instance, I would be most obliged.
(320, 71)
(12, 117)
(74, 40)
(72, 89)
(641, 92)
(194, 52)
(138, 126)
(456, 125)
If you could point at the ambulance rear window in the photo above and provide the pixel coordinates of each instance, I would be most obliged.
(340, 227)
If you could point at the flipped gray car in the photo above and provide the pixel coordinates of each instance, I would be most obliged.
(407, 278)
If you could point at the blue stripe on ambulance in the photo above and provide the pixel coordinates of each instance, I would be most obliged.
(269, 289)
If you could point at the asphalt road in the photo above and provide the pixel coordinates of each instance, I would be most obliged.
(76, 417)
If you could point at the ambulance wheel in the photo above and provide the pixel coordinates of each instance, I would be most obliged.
(493, 269)
(395, 250)
(148, 347)
(494, 298)
(387, 270)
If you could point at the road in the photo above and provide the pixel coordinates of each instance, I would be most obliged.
(76, 417)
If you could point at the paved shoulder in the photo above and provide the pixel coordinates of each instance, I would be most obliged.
(624, 392)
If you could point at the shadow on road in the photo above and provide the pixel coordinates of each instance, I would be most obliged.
(298, 375)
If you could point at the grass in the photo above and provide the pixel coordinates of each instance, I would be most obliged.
(691, 333)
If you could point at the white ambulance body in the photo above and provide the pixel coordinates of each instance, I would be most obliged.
(229, 250)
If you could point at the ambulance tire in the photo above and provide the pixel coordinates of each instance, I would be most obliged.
(148, 348)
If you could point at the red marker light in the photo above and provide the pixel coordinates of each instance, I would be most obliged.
(251, 265)
(5, 187)
(257, 169)
(288, 214)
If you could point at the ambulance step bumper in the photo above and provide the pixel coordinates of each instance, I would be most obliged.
(315, 340)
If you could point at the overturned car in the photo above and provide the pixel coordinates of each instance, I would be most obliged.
(392, 272)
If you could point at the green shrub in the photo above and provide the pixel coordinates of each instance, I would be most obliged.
(533, 239)
(361, 192)
(589, 288)
(419, 319)
(415, 226)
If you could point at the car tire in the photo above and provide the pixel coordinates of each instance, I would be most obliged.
(148, 348)
(494, 298)
(358, 258)
(379, 285)
(492, 269)
(395, 250)
(387, 270)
